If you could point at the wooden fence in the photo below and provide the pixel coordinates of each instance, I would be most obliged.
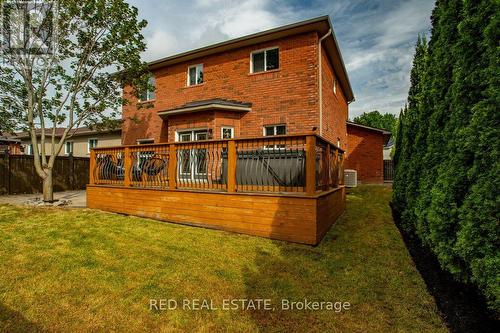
(18, 175)
(388, 170)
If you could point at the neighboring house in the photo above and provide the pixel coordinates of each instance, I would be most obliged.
(388, 150)
(9, 145)
(365, 152)
(288, 80)
(79, 142)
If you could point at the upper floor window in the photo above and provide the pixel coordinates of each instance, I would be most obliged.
(149, 93)
(265, 60)
(68, 148)
(195, 75)
(92, 144)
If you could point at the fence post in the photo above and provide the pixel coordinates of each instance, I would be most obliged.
(127, 167)
(172, 166)
(92, 167)
(71, 162)
(311, 164)
(7, 171)
(231, 166)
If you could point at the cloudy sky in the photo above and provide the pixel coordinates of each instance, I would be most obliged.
(376, 37)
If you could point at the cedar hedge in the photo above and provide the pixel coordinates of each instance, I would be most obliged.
(447, 162)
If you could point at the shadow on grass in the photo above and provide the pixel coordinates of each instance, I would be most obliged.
(462, 307)
(13, 321)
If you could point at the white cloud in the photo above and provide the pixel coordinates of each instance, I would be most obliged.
(159, 44)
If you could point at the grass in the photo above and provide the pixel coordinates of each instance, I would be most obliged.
(85, 270)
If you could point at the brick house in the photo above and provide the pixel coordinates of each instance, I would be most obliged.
(365, 147)
(288, 80)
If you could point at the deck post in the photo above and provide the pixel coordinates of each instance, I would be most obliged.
(172, 166)
(311, 164)
(326, 175)
(231, 166)
(91, 167)
(127, 164)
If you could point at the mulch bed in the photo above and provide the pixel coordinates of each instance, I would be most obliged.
(461, 305)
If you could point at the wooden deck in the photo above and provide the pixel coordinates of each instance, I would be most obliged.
(288, 188)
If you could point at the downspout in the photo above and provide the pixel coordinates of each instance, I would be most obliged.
(321, 82)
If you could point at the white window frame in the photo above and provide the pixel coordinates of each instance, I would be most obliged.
(279, 146)
(66, 152)
(30, 149)
(88, 144)
(149, 94)
(196, 77)
(225, 128)
(275, 126)
(265, 59)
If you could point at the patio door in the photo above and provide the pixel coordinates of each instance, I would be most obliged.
(192, 162)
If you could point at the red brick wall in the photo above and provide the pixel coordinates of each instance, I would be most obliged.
(365, 154)
(288, 95)
(335, 108)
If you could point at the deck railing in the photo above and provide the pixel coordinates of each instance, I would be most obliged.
(287, 163)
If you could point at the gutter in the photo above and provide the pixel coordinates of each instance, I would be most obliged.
(321, 82)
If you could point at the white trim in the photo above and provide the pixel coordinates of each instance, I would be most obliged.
(66, 147)
(265, 58)
(335, 86)
(88, 143)
(196, 75)
(222, 131)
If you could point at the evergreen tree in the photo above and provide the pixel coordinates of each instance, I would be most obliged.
(447, 185)
(406, 177)
(477, 99)
(434, 112)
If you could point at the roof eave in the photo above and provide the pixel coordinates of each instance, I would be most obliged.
(208, 107)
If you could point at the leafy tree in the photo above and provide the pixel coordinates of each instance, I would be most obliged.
(386, 121)
(75, 86)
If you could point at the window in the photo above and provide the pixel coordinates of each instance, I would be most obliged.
(30, 149)
(92, 144)
(335, 86)
(195, 75)
(265, 60)
(272, 131)
(275, 130)
(149, 94)
(68, 148)
(227, 132)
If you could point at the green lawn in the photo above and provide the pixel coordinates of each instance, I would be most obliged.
(85, 270)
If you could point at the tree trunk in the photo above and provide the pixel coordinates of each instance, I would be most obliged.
(48, 190)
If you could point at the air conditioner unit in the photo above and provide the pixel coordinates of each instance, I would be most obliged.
(350, 178)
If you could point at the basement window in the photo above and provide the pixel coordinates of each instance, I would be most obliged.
(265, 60)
